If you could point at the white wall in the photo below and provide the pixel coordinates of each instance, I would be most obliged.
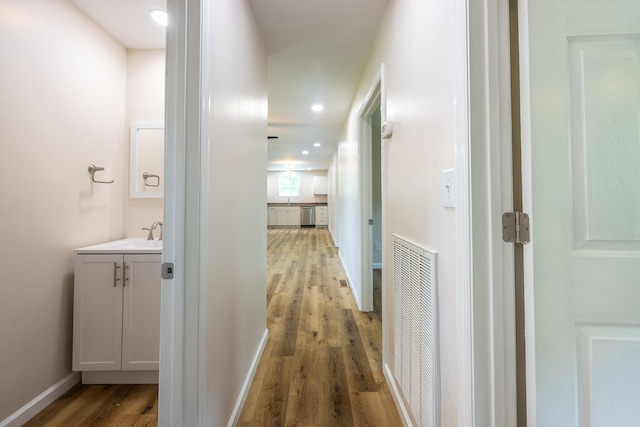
(145, 103)
(416, 44)
(306, 187)
(62, 86)
(235, 299)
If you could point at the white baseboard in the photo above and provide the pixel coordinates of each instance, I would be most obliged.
(41, 401)
(335, 242)
(377, 266)
(356, 295)
(120, 377)
(403, 411)
(242, 397)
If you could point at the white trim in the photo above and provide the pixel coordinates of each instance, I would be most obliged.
(403, 410)
(356, 296)
(201, 104)
(244, 392)
(377, 266)
(38, 403)
(180, 381)
(486, 358)
(466, 410)
(170, 388)
(119, 377)
(372, 101)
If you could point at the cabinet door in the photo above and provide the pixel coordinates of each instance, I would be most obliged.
(293, 216)
(320, 185)
(273, 216)
(282, 216)
(97, 313)
(141, 313)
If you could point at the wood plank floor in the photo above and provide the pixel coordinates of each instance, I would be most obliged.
(323, 363)
(321, 366)
(102, 405)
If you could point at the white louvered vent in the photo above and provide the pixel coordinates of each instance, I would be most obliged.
(415, 323)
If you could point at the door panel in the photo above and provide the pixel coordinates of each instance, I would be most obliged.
(97, 313)
(141, 313)
(584, 103)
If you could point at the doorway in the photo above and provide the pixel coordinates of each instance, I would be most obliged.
(376, 211)
(371, 115)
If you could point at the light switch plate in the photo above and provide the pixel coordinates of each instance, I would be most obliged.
(387, 130)
(449, 188)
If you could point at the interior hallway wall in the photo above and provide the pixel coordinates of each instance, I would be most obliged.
(145, 103)
(62, 81)
(236, 240)
(416, 43)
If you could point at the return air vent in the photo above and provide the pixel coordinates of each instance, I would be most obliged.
(415, 320)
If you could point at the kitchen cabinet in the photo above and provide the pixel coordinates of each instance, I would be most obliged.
(116, 312)
(322, 216)
(272, 216)
(320, 185)
(288, 216)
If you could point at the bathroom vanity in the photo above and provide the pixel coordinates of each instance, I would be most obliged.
(116, 313)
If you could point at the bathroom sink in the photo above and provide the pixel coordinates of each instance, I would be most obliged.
(126, 246)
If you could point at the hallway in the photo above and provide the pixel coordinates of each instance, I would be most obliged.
(322, 364)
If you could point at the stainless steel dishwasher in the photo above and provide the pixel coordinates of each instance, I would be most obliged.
(308, 216)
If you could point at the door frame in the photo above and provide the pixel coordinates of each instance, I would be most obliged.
(527, 205)
(181, 383)
(484, 190)
(376, 98)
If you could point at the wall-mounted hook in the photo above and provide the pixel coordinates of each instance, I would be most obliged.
(92, 170)
(146, 176)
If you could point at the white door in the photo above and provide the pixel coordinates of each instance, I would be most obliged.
(581, 99)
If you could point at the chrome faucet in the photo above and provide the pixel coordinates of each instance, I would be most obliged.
(150, 235)
(153, 227)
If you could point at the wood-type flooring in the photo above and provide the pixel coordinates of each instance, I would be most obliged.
(102, 405)
(322, 365)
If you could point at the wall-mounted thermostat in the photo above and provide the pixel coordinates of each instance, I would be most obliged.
(387, 130)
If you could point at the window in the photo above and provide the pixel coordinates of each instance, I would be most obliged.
(289, 186)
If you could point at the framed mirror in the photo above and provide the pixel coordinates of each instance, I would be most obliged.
(146, 176)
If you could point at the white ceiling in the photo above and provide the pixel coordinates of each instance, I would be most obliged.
(317, 51)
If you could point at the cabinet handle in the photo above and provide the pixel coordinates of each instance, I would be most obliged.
(126, 278)
(116, 279)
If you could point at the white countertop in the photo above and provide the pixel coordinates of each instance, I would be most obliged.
(124, 246)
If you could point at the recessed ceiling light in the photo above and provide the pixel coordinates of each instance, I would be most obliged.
(160, 16)
(305, 152)
(317, 144)
(317, 107)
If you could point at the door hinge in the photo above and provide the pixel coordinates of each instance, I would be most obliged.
(167, 270)
(515, 227)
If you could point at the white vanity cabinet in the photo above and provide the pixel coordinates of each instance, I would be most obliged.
(116, 313)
